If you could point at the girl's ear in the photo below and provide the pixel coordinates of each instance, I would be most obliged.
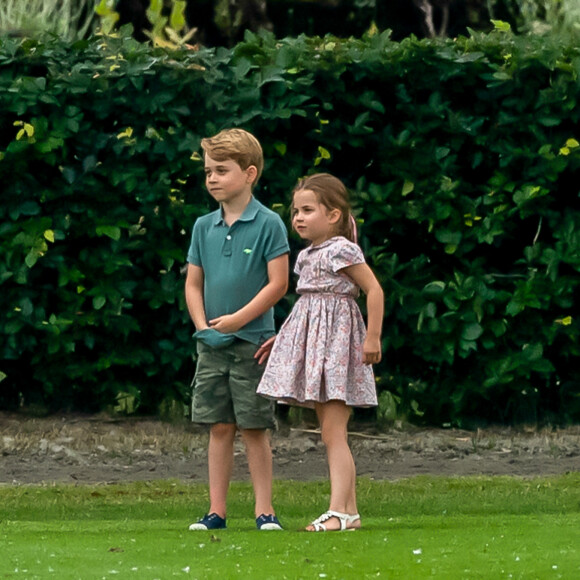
(334, 216)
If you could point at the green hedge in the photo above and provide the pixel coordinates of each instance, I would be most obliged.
(462, 156)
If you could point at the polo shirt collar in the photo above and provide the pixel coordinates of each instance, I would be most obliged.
(249, 214)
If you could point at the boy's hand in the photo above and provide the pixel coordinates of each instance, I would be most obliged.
(225, 324)
(263, 352)
(371, 351)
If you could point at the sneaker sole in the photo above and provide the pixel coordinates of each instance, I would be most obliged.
(203, 528)
(198, 528)
(271, 527)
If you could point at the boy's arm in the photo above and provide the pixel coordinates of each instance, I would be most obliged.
(270, 294)
(194, 296)
(365, 279)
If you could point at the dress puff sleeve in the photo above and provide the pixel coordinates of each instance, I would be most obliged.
(299, 262)
(345, 254)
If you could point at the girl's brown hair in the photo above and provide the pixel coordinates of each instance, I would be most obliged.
(332, 194)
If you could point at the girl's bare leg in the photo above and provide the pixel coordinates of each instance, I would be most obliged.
(333, 417)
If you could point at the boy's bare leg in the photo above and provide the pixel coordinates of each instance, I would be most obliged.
(259, 454)
(333, 417)
(220, 457)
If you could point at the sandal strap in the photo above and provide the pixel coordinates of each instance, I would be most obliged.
(343, 518)
(322, 518)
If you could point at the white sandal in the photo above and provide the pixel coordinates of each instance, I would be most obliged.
(344, 519)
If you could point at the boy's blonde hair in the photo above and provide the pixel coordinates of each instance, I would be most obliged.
(237, 145)
(333, 194)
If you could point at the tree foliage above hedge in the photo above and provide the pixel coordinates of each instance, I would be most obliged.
(461, 155)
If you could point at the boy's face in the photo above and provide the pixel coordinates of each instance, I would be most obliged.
(226, 181)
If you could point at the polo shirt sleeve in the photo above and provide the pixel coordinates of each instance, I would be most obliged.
(193, 255)
(276, 241)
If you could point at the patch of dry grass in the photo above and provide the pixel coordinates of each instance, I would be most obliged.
(28, 435)
(123, 436)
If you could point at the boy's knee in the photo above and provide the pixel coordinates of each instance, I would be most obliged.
(255, 436)
(223, 430)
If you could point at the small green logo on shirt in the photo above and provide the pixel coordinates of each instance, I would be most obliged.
(248, 251)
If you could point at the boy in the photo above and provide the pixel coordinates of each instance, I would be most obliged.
(237, 271)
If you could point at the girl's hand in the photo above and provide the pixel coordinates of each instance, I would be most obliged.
(264, 351)
(225, 324)
(372, 351)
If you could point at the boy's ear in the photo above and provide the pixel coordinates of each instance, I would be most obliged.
(252, 172)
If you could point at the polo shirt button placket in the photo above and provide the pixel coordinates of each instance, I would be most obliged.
(228, 245)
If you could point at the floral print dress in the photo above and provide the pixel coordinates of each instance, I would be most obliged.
(317, 355)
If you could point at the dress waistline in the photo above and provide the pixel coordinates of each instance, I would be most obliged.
(334, 294)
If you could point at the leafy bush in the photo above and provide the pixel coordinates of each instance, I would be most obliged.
(70, 19)
(460, 154)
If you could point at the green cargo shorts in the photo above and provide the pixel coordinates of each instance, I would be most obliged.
(224, 387)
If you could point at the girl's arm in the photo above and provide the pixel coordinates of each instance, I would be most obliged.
(363, 277)
(269, 295)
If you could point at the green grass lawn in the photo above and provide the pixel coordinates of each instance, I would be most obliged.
(424, 527)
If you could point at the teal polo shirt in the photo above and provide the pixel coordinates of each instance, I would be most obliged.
(235, 260)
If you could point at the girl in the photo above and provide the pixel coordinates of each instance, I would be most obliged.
(322, 355)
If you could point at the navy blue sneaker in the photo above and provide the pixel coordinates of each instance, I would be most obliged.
(268, 522)
(209, 522)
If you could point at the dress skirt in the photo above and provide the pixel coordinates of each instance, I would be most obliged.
(317, 355)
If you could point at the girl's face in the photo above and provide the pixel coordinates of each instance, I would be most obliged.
(311, 219)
